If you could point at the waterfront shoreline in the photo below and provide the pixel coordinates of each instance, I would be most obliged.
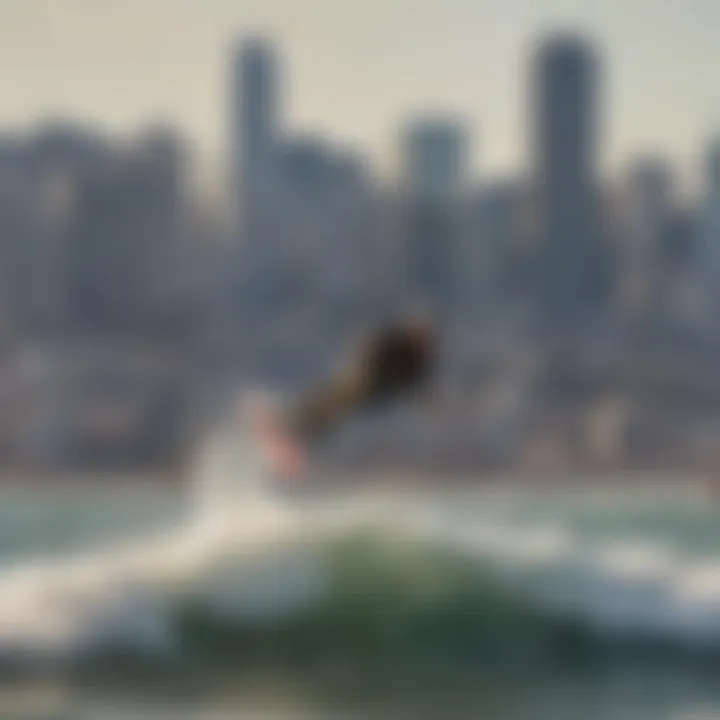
(339, 479)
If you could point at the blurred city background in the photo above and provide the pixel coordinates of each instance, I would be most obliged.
(578, 297)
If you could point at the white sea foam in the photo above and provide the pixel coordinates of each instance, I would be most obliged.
(247, 551)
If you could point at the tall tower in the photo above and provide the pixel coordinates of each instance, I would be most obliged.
(256, 129)
(648, 206)
(565, 147)
(434, 171)
(435, 157)
(712, 169)
(709, 232)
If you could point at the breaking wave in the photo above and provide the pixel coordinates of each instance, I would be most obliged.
(253, 574)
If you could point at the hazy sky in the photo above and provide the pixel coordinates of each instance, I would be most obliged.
(357, 67)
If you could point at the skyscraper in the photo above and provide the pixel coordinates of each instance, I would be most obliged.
(648, 205)
(709, 232)
(434, 157)
(256, 129)
(572, 269)
(122, 236)
(713, 167)
(434, 171)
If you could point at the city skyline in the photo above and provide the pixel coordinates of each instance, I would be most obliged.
(360, 74)
(105, 238)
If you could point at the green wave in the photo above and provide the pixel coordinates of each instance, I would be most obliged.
(393, 605)
(392, 610)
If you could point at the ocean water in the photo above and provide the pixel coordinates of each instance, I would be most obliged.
(232, 597)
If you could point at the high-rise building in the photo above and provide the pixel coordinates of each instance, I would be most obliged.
(122, 235)
(37, 174)
(647, 208)
(434, 165)
(572, 264)
(709, 231)
(329, 257)
(713, 167)
(499, 205)
(434, 158)
(256, 129)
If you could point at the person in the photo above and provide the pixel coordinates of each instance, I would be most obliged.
(395, 362)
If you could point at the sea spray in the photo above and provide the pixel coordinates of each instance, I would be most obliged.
(251, 568)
